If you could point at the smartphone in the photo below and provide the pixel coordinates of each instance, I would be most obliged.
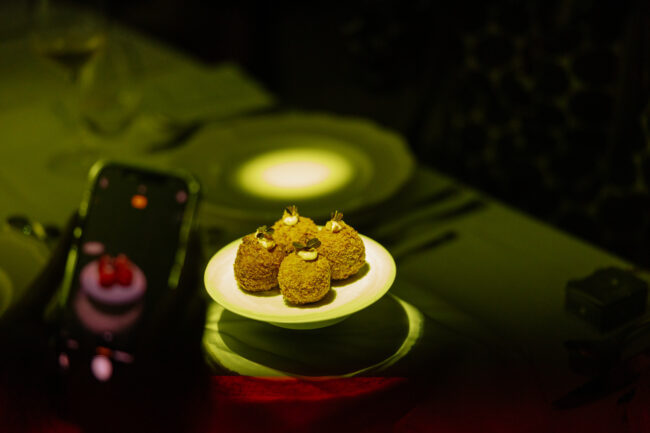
(125, 263)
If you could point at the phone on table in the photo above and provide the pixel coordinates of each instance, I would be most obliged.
(123, 268)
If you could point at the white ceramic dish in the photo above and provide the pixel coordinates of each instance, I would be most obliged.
(360, 153)
(345, 298)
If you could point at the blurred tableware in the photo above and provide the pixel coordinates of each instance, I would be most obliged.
(6, 291)
(178, 105)
(102, 96)
(401, 227)
(48, 234)
(201, 92)
(251, 168)
(110, 98)
(345, 297)
(171, 133)
(69, 35)
(21, 259)
(27, 227)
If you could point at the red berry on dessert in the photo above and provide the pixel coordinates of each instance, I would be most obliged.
(123, 270)
(121, 260)
(124, 275)
(107, 275)
(105, 260)
(116, 282)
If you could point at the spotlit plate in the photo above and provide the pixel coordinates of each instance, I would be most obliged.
(370, 341)
(345, 298)
(251, 168)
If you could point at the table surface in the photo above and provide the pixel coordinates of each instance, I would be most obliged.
(488, 300)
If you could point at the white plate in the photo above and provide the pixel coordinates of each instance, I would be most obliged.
(346, 297)
(251, 168)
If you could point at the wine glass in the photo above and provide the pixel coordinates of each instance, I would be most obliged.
(69, 35)
(73, 38)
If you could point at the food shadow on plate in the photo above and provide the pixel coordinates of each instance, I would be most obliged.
(262, 294)
(353, 278)
(362, 340)
(327, 299)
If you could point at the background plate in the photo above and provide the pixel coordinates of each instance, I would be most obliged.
(377, 162)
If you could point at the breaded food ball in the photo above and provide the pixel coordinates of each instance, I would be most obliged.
(258, 261)
(293, 228)
(304, 277)
(342, 246)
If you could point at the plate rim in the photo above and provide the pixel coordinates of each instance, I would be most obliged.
(311, 316)
(320, 121)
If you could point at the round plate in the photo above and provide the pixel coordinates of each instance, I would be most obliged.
(252, 168)
(345, 297)
(365, 343)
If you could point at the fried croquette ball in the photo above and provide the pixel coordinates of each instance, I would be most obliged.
(303, 281)
(342, 246)
(293, 228)
(258, 262)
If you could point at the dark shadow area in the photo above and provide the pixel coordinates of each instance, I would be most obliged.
(352, 278)
(540, 104)
(327, 299)
(263, 294)
(320, 352)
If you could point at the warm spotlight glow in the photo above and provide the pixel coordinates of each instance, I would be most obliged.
(295, 173)
(139, 201)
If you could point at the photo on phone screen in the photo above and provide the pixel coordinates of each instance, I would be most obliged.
(129, 254)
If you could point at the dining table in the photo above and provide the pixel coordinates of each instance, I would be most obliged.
(473, 335)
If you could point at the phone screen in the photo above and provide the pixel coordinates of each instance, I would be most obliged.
(128, 257)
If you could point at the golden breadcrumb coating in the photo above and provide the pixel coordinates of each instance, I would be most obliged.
(304, 281)
(256, 268)
(344, 250)
(285, 235)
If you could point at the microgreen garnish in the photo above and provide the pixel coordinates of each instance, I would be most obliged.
(291, 210)
(311, 243)
(336, 216)
(335, 222)
(307, 251)
(264, 232)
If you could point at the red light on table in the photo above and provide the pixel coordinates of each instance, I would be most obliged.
(139, 201)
